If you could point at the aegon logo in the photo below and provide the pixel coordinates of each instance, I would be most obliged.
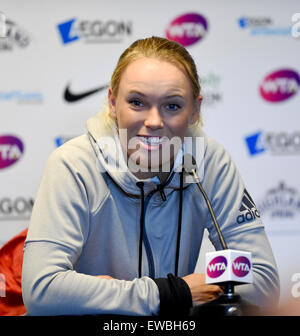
(11, 149)
(241, 266)
(96, 31)
(19, 208)
(277, 143)
(280, 85)
(216, 267)
(187, 29)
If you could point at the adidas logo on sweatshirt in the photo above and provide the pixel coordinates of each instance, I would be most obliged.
(248, 209)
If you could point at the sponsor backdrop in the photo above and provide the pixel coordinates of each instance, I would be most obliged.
(56, 61)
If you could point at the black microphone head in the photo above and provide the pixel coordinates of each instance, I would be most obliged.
(189, 163)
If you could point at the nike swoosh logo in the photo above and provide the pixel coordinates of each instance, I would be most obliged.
(71, 97)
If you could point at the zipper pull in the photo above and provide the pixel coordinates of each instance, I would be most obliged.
(162, 193)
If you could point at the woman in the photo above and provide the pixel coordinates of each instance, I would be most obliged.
(117, 224)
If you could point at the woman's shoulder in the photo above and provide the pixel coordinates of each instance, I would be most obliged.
(212, 149)
(78, 157)
(76, 161)
(75, 150)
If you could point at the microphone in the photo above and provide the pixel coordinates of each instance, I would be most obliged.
(190, 166)
(226, 267)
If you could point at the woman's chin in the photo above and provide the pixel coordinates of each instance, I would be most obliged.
(149, 164)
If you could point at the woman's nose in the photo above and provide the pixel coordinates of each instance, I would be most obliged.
(154, 119)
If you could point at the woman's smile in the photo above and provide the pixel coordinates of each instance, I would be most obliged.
(151, 143)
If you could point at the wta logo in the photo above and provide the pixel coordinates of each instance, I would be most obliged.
(280, 85)
(216, 267)
(11, 149)
(241, 266)
(187, 29)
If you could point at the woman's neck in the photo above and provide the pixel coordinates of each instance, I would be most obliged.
(163, 176)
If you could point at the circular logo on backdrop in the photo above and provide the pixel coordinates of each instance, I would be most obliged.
(11, 149)
(187, 29)
(241, 266)
(216, 267)
(280, 85)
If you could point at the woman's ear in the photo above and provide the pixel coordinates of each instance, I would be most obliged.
(196, 111)
(112, 104)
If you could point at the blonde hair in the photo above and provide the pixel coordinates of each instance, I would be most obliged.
(163, 49)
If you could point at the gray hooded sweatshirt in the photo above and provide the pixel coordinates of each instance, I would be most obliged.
(86, 221)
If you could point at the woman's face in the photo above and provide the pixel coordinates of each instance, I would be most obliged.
(155, 105)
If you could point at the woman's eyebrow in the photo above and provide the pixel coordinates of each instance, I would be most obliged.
(170, 95)
(176, 95)
(136, 92)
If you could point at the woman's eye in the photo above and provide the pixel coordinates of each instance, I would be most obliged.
(173, 107)
(136, 103)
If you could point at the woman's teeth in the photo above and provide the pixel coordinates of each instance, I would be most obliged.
(151, 141)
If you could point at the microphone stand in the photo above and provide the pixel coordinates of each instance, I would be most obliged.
(227, 303)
